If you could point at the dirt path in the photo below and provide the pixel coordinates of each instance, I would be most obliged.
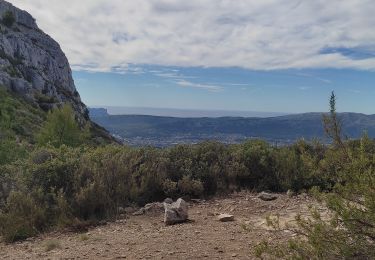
(146, 237)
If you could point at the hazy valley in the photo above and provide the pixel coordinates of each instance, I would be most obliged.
(143, 130)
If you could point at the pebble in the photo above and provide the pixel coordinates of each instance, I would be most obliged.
(225, 217)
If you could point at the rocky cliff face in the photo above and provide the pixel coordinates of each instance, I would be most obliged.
(32, 63)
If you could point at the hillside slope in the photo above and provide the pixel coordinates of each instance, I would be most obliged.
(18, 117)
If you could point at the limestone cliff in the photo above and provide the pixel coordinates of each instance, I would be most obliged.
(33, 65)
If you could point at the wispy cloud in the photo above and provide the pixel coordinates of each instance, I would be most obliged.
(170, 74)
(307, 75)
(355, 91)
(212, 88)
(238, 84)
(106, 35)
(167, 75)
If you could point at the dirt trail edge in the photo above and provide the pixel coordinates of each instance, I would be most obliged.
(147, 237)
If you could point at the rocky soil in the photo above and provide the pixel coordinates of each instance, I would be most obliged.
(147, 237)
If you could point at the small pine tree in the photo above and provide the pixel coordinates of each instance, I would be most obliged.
(332, 124)
(350, 233)
(61, 128)
(333, 127)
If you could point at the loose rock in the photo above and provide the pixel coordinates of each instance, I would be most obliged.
(267, 196)
(176, 212)
(225, 217)
(168, 201)
(155, 208)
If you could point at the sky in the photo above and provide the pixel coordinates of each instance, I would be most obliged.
(250, 55)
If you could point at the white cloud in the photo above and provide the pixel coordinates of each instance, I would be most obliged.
(100, 35)
(212, 88)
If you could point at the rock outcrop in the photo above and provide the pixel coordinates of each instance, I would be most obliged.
(33, 65)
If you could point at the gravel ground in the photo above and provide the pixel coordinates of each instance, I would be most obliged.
(146, 237)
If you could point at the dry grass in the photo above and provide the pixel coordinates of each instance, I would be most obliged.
(52, 245)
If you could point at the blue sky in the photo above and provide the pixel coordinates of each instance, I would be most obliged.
(287, 91)
(269, 55)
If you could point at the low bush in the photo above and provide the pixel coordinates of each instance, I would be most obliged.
(66, 184)
(23, 217)
(189, 187)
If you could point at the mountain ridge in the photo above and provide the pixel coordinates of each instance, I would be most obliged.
(156, 130)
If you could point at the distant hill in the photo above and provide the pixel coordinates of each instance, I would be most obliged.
(186, 113)
(98, 112)
(163, 131)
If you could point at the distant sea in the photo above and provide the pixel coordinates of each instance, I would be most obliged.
(171, 112)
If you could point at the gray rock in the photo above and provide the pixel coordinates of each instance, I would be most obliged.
(126, 210)
(225, 217)
(32, 64)
(139, 212)
(267, 196)
(176, 212)
(129, 210)
(168, 200)
(155, 208)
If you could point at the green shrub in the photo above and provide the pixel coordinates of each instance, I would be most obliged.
(189, 187)
(8, 19)
(52, 169)
(23, 217)
(170, 188)
(11, 151)
(259, 159)
(41, 98)
(61, 128)
(18, 117)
